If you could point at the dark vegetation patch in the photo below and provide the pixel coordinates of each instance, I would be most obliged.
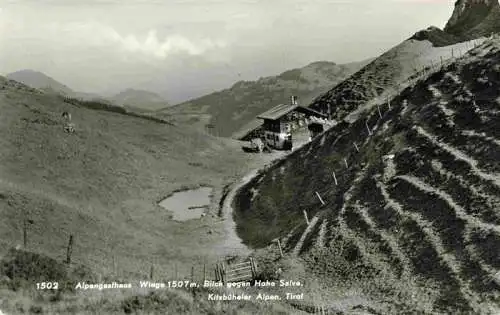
(487, 243)
(24, 268)
(97, 105)
(169, 303)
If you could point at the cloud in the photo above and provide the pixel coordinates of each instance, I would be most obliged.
(88, 34)
(97, 34)
(152, 45)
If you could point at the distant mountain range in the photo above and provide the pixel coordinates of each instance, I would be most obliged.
(132, 98)
(140, 99)
(233, 111)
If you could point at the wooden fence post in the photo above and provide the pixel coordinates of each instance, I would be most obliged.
(25, 231)
(216, 272)
(305, 216)
(25, 234)
(335, 178)
(223, 273)
(204, 272)
(192, 273)
(281, 250)
(320, 199)
(69, 250)
(252, 266)
(368, 128)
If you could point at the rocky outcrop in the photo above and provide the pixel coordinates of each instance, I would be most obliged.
(436, 36)
(474, 18)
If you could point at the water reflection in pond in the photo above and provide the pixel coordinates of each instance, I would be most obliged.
(188, 204)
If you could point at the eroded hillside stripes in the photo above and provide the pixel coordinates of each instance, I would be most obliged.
(451, 163)
(490, 202)
(349, 232)
(391, 241)
(449, 260)
(461, 156)
(447, 125)
(387, 244)
(414, 163)
(472, 133)
(460, 212)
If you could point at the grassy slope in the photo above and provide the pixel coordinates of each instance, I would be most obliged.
(18, 295)
(404, 258)
(102, 182)
(235, 108)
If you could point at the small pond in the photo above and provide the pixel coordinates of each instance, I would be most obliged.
(188, 204)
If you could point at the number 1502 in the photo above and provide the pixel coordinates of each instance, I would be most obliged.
(47, 285)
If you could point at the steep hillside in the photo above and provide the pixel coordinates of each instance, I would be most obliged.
(140, 99)
(102, 183)
(411, 221)
(235, 108)
(384, 75)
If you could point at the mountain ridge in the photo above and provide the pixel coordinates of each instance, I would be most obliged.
(228, 111)
(39, 80)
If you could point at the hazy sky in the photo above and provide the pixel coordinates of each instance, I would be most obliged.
(185, 48)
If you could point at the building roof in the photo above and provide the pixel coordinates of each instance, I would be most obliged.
(281, 110)
(278, 111)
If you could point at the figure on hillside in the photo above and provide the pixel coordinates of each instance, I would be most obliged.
(68, 126)
(66, 116)
(278, 273)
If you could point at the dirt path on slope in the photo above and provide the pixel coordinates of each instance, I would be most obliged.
(232, 243)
